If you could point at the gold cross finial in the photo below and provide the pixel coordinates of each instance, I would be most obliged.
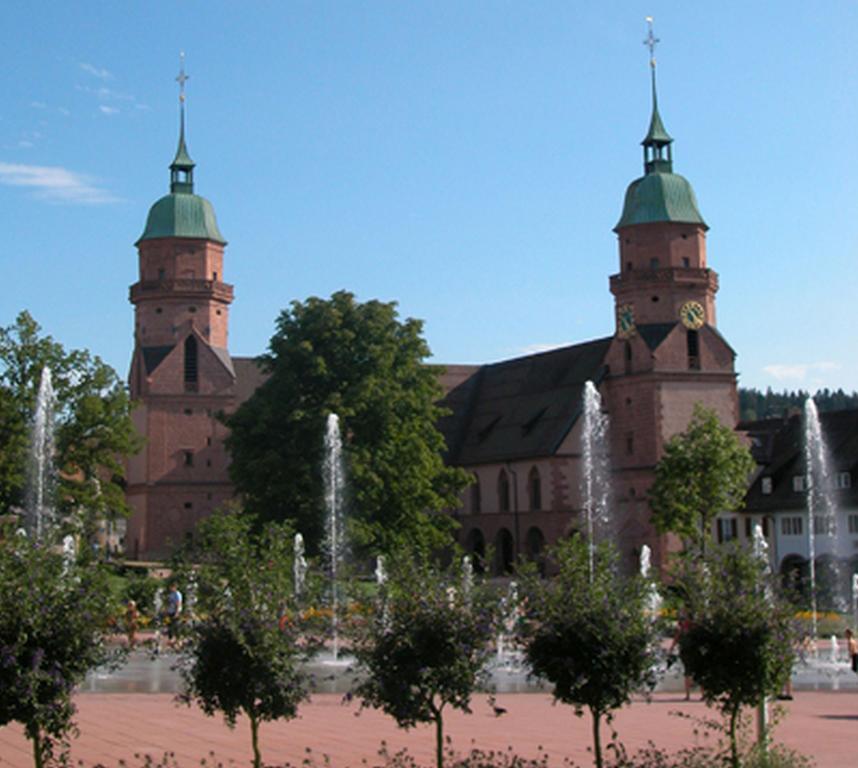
(651, 42)
(182, 77)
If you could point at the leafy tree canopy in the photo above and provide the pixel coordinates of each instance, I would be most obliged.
(360, 361)
(425, 644)
(244, 653)
(704, 471)
(54, 620)
(589, 634)
(738, 639)
(93, 423)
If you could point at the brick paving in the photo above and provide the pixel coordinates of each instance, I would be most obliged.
(116, 726)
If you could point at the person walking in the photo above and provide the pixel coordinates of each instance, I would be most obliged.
(132, 616)
(173, 611)
(852, 649)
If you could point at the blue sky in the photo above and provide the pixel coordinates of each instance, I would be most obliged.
(467, 159)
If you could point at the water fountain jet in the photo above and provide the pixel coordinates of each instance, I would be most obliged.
(595, 483)
(40, 481)
(333, 472)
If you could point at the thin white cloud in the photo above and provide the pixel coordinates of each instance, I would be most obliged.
(38, 105)
(535, 349)
(798, 371)
(104, 109)
(99, 72)
(54, 183)
(25, 143)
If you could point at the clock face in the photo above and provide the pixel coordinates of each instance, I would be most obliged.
(625, 320)
(692, 315)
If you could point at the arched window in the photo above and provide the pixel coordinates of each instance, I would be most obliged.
(191, 374)
(503, 491)
(476, 496)
(535, 543)
(534, 489)
(475, 544)
(627, 356)
(504, 552)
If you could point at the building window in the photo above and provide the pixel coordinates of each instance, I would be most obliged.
(823, 525)
(161, 274)
(766, 485)
(189, 458)
(627, 356)
(630, 443)
(686, 262)
(791, 526)
(799, 484)
(727, 529)
(476, 496)
(503, 491)
(534, 485)
(843, 480)
(188, 505)
(853, 524)
(214, 276)
(191, 372)
(693, 346)
(653, 264)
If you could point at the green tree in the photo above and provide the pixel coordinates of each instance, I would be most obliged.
(425, 644)
(592, 638)
(245, 653)
(93, 423)
(704, 471)
(738, 643)
(360, 361)
(54, 619)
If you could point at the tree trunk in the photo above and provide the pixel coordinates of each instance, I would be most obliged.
(439, 740)
(597, 740)
(734, 747)
(36, 737)
(254, 736)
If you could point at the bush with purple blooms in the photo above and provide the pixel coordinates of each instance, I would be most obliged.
(245, 653)
(425, 645)
(54, 620)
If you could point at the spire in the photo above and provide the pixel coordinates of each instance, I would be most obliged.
(182, 167)
(657, 139)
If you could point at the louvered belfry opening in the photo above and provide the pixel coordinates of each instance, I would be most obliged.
(191, 367)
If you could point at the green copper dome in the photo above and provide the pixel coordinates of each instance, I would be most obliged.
(660, 194)
(658, 197)
(182, 214)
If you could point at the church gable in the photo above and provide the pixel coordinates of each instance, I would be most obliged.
(192, 366)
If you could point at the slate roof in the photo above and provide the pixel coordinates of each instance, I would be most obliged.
(248, 377)
(778, 447)
(521, 408)
(154, 356)
(655, 333)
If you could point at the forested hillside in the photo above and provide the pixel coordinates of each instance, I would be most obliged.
(754, 405)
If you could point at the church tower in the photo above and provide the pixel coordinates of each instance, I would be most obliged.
(667, 354)
(181, 372)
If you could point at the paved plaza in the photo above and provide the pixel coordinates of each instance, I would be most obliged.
(116, 726)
